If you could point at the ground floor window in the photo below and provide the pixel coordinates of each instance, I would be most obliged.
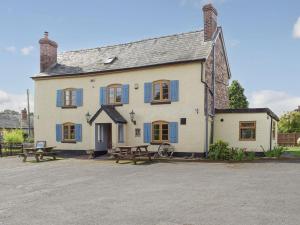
(69, 132)
(121, 133)
(248, 131)
(160, 131)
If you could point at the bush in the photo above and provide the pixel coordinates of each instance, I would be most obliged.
(250, 155)
(221, 151)
(275, 152)
(29, 140)
(13, 136)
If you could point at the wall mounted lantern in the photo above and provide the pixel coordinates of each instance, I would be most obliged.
(132, 117)
(88, 117)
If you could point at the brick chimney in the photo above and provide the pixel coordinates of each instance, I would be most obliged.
(48, 52)
(210, 21)
(24, 114)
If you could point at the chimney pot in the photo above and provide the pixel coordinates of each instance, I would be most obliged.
(210, 21)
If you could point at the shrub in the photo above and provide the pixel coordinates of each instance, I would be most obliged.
(221, 151)
(250, 155)
(275, 152)
(238, 154)
(13, 136)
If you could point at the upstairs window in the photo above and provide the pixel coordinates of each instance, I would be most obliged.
(69, 97)
(248, 131)
(114, 94)
(160, 132)
(161, 91)
(69, 132)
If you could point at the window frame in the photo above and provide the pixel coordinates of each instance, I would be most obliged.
(161, 99)
(160, 123)
(72, 101)
(247, 127)
(68, 125)
(115, 88)
(121, 133)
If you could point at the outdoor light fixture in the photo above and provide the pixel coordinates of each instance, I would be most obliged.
(88, 117)
(132, 116)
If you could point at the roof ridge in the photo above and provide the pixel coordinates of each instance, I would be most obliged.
(133, 42)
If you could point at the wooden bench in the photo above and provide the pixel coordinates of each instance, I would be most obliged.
(38, 153)
(131, 153)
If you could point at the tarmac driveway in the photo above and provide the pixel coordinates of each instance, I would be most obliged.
(86, 192)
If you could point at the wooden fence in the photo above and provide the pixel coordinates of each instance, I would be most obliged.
(288, 139)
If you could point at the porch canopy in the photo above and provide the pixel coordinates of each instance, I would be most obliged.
(111, 112)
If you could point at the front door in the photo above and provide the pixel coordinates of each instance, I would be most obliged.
(103, 137)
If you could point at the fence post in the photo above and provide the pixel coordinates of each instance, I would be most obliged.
(1, 150)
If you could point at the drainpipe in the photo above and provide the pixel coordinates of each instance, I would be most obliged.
(206, 110)
(271, 134)
(214, 92)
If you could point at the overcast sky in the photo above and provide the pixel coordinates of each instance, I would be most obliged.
(262, 39)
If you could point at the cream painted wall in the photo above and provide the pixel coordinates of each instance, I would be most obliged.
(228, 130)
(191, 97)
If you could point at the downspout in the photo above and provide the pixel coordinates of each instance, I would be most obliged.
(205, 109)
(271, 133)
(214, 92)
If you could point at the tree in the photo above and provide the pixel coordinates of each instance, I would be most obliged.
(237, 98)
(289, 123)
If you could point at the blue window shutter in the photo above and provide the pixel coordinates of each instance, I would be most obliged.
(174, 88)
(147, 132)
(78, 132)
(79, 97)
(58, 132)
(173, 129)
(125, 94)
(59, 98)
(103, 96)
(147, 92)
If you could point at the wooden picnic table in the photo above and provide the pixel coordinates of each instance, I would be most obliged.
(38, 153)
(131, 152)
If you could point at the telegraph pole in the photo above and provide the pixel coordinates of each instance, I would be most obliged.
(28, 117)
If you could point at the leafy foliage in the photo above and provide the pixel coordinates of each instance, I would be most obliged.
(221, 151)
(237, 98)
(275, 152)
(289, 123)
(13, 136)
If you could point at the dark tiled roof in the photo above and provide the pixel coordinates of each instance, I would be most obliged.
(250, 110)
(157, 51)
(111, 112)
(13, 120)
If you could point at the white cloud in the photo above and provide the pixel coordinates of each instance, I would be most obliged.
(278, 101)
(10, 49)
(14, 101)
(27, 50)
(296, 33)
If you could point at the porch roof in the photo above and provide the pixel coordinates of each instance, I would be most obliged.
(111, 112)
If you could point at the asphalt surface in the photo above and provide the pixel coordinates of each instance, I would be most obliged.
(87, 192)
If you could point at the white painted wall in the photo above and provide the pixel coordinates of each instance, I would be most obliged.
(191, 97)
(228, 130)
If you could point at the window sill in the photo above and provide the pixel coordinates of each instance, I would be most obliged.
(158, 143)
(69, 107)
(160, 102)
(69, 142)
(115, 105)
(247, 139)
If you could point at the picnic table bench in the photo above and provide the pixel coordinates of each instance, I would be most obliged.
(38, 153)
(131, 152)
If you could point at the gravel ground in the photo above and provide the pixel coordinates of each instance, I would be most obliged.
(75, 191)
